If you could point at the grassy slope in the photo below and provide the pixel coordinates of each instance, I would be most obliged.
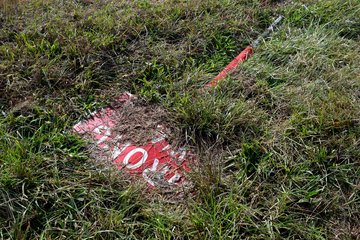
(284, 129)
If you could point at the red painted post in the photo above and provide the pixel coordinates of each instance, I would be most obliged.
(231, 66)
(245, 54)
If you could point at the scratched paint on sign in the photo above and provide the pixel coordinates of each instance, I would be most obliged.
(156, 161)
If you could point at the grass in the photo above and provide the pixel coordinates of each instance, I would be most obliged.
(278, 141)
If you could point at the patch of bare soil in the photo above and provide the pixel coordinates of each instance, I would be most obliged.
(139, 123)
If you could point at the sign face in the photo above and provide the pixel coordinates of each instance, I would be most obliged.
(156, 161)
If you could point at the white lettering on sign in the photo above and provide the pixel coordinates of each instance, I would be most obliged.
(174, 178)
(179, 155)
(182, 155)
(106, 134)
(148, 170)
(167, 147)
(139, 163)
(117, 151)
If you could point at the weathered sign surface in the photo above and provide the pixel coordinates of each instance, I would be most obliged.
(145, 152)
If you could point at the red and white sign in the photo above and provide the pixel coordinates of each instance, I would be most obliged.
(156, 161)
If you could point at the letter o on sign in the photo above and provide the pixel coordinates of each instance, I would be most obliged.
(139, 163)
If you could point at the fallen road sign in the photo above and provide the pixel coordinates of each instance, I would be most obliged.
(156, 161)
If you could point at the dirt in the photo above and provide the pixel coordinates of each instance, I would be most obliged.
(138, 123)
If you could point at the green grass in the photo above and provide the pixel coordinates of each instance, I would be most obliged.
(278, 140)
